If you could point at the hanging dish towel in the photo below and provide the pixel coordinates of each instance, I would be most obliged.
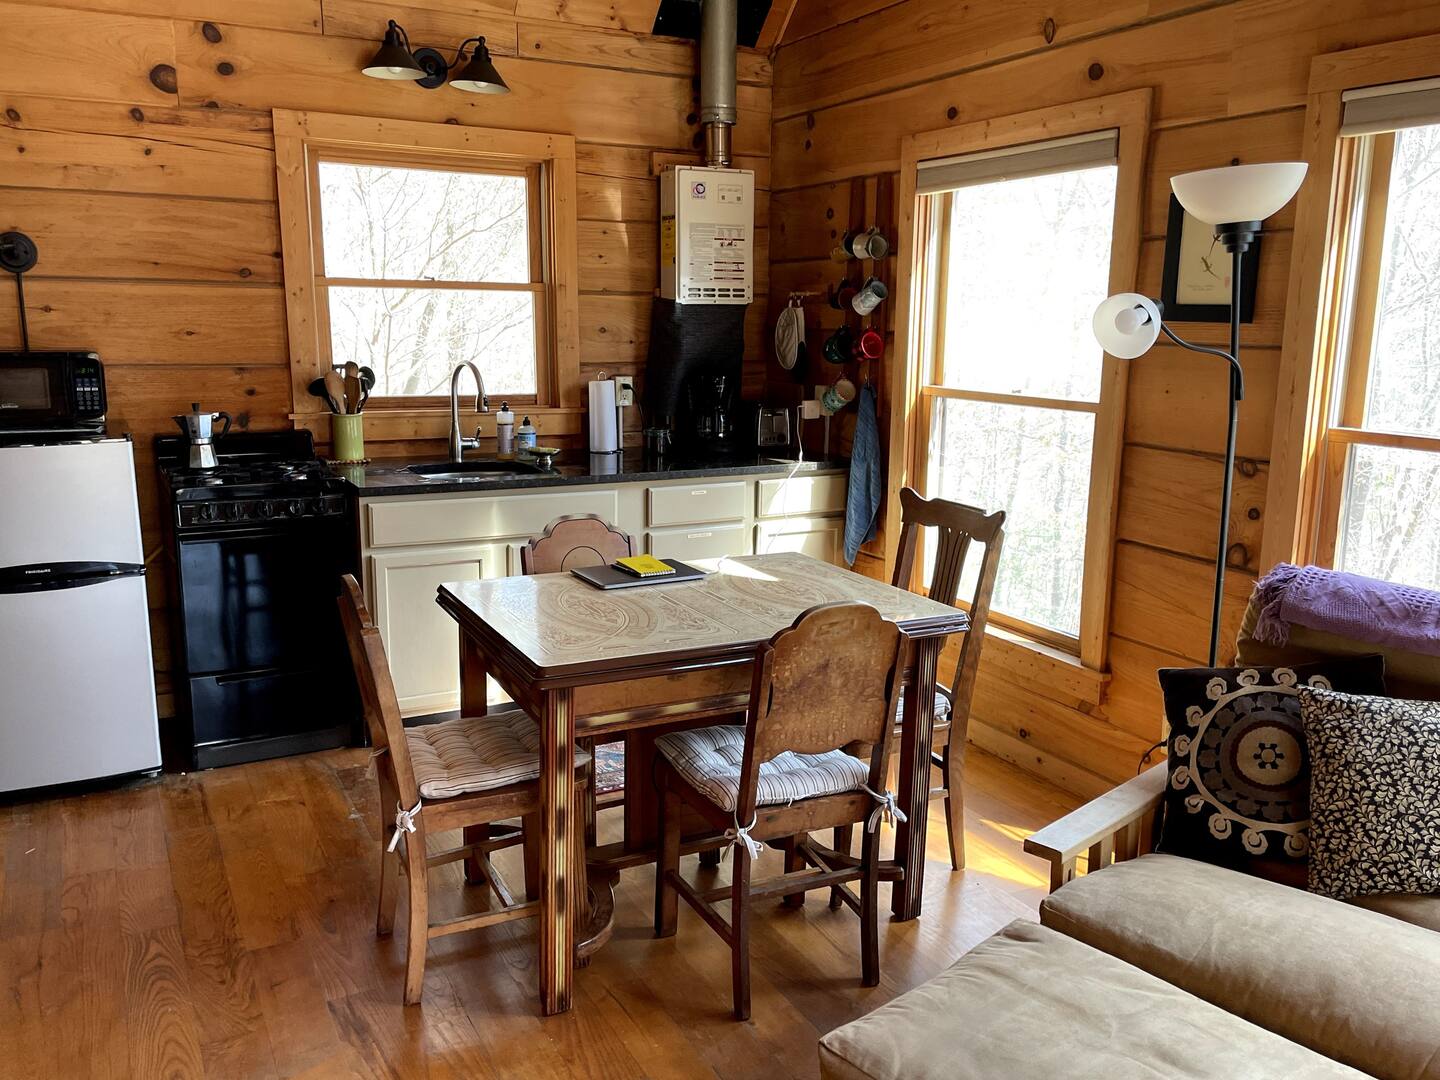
(867, 477)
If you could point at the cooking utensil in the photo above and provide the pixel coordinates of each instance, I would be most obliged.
(352, 386)
(367, 383)
(335, 387)
(198, 426)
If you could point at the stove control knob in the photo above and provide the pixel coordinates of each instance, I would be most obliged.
(207, 512)
(265, 509)
(296, 508)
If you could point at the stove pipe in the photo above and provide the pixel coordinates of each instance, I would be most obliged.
(717, 78)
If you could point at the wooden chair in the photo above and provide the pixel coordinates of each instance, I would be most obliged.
(575, 540)
(568, 542)
(831, 680)
(481, 770)
(956, 526)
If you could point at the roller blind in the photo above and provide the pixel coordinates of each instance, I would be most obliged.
(1373, 109)
(1013, 162)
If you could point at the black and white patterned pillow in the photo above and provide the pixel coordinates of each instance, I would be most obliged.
(1239, 782)
(1374, 793)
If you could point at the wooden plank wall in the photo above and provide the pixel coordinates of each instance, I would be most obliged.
(854, 76)
(136, 149)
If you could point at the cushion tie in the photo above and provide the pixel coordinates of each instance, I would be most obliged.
(404, 822)
(740, 834)
(889, 809)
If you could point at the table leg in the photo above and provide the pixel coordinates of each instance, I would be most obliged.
(559, 819)
(473, 670)
(916, 735)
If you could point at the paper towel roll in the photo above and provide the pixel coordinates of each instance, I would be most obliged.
(604, 438)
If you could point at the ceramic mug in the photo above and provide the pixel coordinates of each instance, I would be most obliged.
(870, 297)
(870, 244)
(869, 345)
(839, 346)
(839, 395)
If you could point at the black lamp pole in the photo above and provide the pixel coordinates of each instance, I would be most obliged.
(1236, 238)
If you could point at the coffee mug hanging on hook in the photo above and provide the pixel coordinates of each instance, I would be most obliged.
(870, 297)
(842, 295)
(870, 345)
(840, 346)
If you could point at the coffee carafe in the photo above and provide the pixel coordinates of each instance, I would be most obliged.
(199, 428)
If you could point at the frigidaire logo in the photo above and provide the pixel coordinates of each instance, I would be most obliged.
(9, 404)
(41, 570)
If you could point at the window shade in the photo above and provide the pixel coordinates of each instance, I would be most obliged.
(1014, 162)
(1390, 108)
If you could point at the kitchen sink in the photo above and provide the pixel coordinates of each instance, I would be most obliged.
(474, 470)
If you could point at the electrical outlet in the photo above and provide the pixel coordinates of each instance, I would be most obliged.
(624, 389)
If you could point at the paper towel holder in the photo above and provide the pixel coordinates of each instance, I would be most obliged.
(600, 388)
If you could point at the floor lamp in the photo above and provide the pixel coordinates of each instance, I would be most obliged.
(1234, 201)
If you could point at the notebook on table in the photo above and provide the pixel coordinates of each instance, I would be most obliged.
(611, 577)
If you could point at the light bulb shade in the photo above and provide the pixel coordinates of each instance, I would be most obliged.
(1126, 325)
(1238, 193)
(479, 76)
(393, 60)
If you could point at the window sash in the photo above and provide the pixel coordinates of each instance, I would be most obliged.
(544, 361)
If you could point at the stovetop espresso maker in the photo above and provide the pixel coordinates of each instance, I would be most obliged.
(199, 428)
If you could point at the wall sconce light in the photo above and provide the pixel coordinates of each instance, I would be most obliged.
(397, 61)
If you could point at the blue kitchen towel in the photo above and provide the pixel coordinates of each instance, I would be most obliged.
(867, 477)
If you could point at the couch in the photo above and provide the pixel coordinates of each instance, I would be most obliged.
(1154, 965)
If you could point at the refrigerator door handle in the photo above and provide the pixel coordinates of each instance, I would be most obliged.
(45, 577)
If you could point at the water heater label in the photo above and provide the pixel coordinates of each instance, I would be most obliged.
(717, 252)
(732, 194)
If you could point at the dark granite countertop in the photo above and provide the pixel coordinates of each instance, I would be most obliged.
(571, 469)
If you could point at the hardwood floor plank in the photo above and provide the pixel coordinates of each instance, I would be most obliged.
(222, 925)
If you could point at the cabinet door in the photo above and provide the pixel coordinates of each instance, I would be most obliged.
(817, 537)
(422, 642)
(699, 542)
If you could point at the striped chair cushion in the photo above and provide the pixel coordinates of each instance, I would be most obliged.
(709, 760)
(942, 708)
(476, 753)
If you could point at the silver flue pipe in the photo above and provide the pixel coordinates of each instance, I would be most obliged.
(717, 78)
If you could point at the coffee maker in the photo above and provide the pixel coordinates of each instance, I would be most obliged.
(199, 428)
(711, 398)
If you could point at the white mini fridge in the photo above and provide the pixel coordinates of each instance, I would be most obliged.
(77, 686)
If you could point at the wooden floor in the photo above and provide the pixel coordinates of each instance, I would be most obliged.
(222, 925)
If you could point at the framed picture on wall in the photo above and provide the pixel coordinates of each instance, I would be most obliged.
(1196, 282)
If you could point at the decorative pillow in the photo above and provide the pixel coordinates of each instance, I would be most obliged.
(1374, 794)
(1239, 774)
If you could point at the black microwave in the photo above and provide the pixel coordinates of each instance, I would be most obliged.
(51, 392)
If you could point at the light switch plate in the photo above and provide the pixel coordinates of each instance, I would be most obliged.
(624, 389)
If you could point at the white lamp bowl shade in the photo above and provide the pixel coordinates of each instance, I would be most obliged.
(1126, 325)
(1238, 192)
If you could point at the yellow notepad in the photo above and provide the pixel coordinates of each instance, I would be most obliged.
(644, 566)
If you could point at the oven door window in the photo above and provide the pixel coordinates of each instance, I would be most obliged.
(258, 601)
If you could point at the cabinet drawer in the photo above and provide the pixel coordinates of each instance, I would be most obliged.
(697, 503)
(699, 542)
(391, 522)
(800, 495)
(817, 537)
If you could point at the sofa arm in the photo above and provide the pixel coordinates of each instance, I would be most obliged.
(1121, 824)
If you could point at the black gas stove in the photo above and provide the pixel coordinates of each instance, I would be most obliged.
(257, 546)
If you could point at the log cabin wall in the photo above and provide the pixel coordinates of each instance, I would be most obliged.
(854, 76)
(136, 150)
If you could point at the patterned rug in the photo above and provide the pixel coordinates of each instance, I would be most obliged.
(609, 767)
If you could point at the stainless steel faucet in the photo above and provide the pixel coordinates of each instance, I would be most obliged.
(460, 443)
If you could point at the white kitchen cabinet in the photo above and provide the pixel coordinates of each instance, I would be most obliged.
(820, 538)
(422, 643)
(699, 542)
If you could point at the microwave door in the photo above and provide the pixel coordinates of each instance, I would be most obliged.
(31, 394)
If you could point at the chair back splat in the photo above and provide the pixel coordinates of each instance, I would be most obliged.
(575, 541)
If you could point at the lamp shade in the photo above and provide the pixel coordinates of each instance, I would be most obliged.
(1127, 324)
(393, 59)
(1238, 193)
(479, 76)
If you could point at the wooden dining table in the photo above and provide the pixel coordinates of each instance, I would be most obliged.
(587, 663)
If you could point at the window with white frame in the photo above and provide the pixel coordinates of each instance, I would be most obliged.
(1018, 255)
(1381, 485)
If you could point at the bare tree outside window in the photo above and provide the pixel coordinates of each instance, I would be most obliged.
(1027, 261)
(424, 268)
(1390, 504)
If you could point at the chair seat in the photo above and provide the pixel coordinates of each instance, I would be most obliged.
(709, 760)
(942, 709)
(476, 753)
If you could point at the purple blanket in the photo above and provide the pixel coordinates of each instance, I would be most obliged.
(1347, 605)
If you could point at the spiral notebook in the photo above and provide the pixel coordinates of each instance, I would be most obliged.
(609, 577)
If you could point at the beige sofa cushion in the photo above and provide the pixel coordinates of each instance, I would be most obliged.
(1351, 984)
(1420, 909)
(1032, 1003)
